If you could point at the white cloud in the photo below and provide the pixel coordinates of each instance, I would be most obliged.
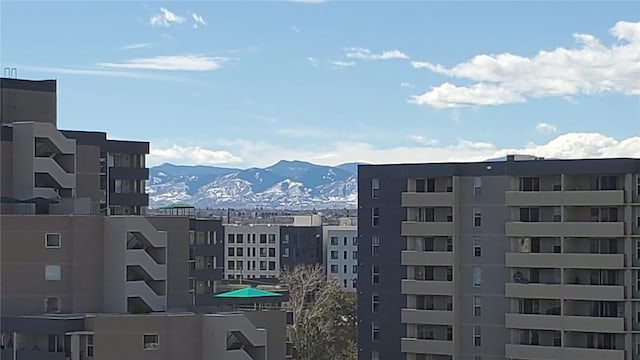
(166, 18)
(568, 146)
(546, 128)
(198, 19)
(191, 155)
(423, 140)
(449, 96)
(136, 46)
(591, 68)
(313, 61)
(174, 62)
(338, 64)
(99, 72)
(407, 85)
(366, 54)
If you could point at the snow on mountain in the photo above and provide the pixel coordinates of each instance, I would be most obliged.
(286, 184)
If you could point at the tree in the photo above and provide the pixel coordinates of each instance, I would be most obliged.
(323, 316)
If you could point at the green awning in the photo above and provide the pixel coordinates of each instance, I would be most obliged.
(246, 293)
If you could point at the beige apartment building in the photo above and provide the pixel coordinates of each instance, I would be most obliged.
(525, 258)
(84, 273)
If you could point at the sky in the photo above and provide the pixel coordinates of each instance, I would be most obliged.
(242, 84)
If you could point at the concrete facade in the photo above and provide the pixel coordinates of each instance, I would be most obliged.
(341, 255)
(522, 259)
(251, 251)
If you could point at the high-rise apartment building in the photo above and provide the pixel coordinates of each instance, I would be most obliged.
(341, 255)
(520, 259)
(252, 251)
(84, 274)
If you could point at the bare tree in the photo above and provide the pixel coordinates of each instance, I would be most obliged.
(318, 307)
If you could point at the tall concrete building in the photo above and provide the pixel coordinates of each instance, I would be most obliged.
(520, 259)
(84, 274)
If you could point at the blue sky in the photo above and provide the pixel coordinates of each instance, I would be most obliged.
(249, 83)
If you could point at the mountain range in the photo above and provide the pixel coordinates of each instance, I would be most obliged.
(286, 184)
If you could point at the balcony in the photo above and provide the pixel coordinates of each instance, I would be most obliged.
(129, 199)
(555, 291)
(430, 317)
(128, 173)
(567, 198)
(574, 261)
(423, 287)
(420, 199)
(556, 229)
(415, 228)
(431, 258)
(553, 352)
(419, 346)
(568, 323)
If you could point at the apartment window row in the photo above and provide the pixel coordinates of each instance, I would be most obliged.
(203, 262)
(429, 185)
(345, 255)
(429, 215)
(334, 240)
(427, 273)
(251, 265)
(263, 252)
(428, 302)
(429, 244)
(203, 237)
(251, 238)
(334, 269)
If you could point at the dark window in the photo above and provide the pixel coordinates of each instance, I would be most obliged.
(420, 185)
(431, 185)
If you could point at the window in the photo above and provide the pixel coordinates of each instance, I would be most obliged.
(272, 265)
(240, 239)
(420, 185)
(192, 237)
(604, 183)
(344, 283)
(334, 240)
(426, 215)
(334, 255)
(231, 251)
(263, 265)
(375, 331)
(52, 272)
(375, 302)
(344, 241)
(557, 214)
(449, 273)
(239, 251)
(375, 216)
(557, 338)
(272, 252)
(477, 217)
(263, 238)
(375, 188)
(477, 306)
(477, 336)
(604, 214)
(449, 333)
(375, 245)
(375, 355)
(285, 252)
(263, 252)
(52, 241)
(334, 269)
(354, 255)
(449, 244)
(477, 186)
(150, 341)
(477, 248)
(345, 255)
(375, 274)
(354, 241)
(239, 265)
(354, 269)
(354, 283)
(431, 185)
(529, 214)
(638, 186)
(52, 305)
(272, 238)
(285, 239)
(638, 217)
(344, 269)
(529, 184)
(231, 238)
(477, 276)
(89, 345)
